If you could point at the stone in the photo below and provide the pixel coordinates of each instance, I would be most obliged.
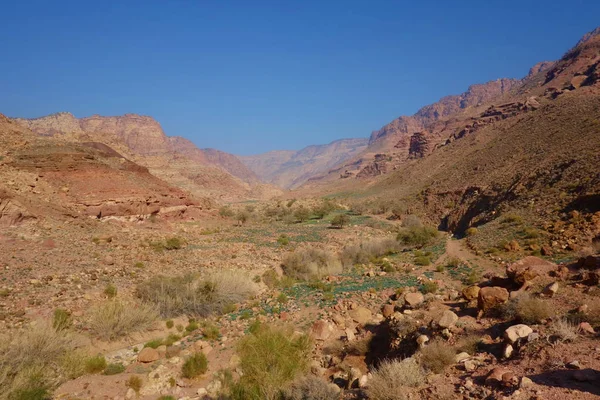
(131, 394)
(148, 355)
(461, 357)
(350, 336)
(494, 378)
(490, 297)
(513, 245)
(162, 351)
(202, 392)
(509, 379)
(361, 315)
(321, 330)
(214, 388)
(586, 328)
(422, 339)
(387, 310)
(414, 299)
(363, 381)
(508, 351)
(338, 320)
(471, 293)
(527, 269)
(525, 382)
(470, 365)
(448, 319)
(551, 289)
(517, 332)
(574, 365)
(172, 351)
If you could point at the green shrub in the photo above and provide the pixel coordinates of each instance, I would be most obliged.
(166, 397)
(453, 263)
(282, 298)
(114, 369)
(283, 240)
(61, 319)
(340, 220)
(429, 287)
(95, 364)
(367, 251)
(192, 326)
(301, 214)
(172, 338)
(226, 211)
(527, 309)
(471, 231)
(110, 291)
(173, 243)
(270, 359)
(417, 236)
(138, 264)
(210, 331)
(169, 323)
(154, 343)
(422, 260)
(512, 219)
(311, 263)
(194, 366)
(134, 382)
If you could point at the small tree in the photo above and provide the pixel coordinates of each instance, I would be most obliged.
(340, 220)
(302, 214)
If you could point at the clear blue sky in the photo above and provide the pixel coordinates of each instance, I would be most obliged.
(252, 76)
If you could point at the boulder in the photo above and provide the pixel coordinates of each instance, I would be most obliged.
(387, 310)
(490, 297)
(148, 355)
(321, 330)
(361, 315)
(448, 319)
(517, 332)
(413, 299)
(527, 269)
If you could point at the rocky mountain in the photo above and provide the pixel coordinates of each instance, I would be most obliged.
(202, 172)
(532, 144)
(289, 169)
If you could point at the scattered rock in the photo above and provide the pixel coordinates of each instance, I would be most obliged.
(361, 315)
(448, 319)
(517, 332)
(574, 365)
(461, 357)
(471, 293)
(387, 310)
(321, 330)
(586, 328)
(490, 297)
(494, 378)
(525, 382)
(422, 339)
(508, 351)
(551, 289)
(527, 269)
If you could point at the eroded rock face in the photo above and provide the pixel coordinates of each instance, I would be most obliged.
(527, 269)
(419, 145)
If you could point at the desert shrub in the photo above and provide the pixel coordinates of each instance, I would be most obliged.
(197, 296)
(35, 361)
(340, 220)
(154, 343)
(210, 331)
(195, 365)
(440, 268)
(134, 382)
(61, 319)
(169, 324)
(173, 243)
(367, 251)
(282, 298)
(95, 364)
(417, 236)
(290, 203)
(192, 325)
(473, 277)
(392, 377)
(310, 388)
(166, 397)
(114, 369)
(226, 211)
(527, 309)
(530, 233)
(113, 319)
(283, 240)
(270, 359)
(429, 287)
(310, 263)
(471, 231)
(422, 260)
(242, 217)
(171, 339)
(563, 330)
(110, 291)
(138, 264)
(453, 263)
(511, 219)
(437, 356)
(469, 344)
(302, 214)
(270, 278)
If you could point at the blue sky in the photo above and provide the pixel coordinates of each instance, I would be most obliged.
(253, 76)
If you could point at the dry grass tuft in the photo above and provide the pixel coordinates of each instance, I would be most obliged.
(113, 319)
(437, 356)
(311, 263)
(365, 252)
(310, 387)
(197, 296)
(563, 330)
(527, 309)
(391, 379)
(36, 361)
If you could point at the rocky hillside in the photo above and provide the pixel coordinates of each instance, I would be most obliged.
(43, 178)
(289, 169)
(203, 172)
